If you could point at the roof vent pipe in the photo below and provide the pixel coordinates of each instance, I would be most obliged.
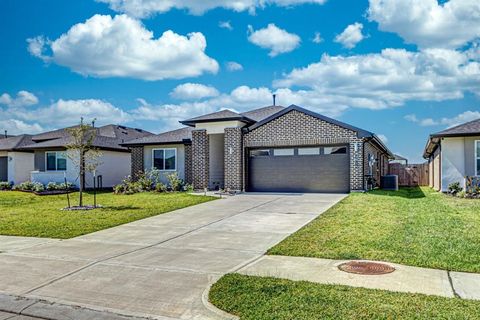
(274, 100)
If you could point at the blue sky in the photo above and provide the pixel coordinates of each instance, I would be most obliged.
(400, 68)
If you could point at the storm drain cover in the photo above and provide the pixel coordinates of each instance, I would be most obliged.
(367, 268)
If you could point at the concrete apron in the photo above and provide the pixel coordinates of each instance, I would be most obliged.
(403, 279)
(157, 267)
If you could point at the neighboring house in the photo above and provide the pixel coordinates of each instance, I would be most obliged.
(51, 164)
(271, 149)
(453, 155)
(15, 163)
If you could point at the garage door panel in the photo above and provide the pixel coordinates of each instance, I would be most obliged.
(322, 173)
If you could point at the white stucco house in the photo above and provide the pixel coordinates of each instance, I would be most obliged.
(454, 156)
(49, 161)
(15, 163)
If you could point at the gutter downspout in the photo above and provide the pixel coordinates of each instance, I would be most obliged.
(363, 165)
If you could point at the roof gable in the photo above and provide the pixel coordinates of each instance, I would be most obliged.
(360, 132)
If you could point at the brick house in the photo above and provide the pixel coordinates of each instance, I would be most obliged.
(271, 149)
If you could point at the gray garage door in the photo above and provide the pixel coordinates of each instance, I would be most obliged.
(299, 169)
(3, 169)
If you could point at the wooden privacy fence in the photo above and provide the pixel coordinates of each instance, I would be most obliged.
(411, 175)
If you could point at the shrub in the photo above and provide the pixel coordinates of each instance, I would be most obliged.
(454, 188)
(161, 187)
(175, 183)
(5, 185)
(144, 183)
(127, 187)
(188, 188)
(24, 186)
(51, 186)
(38, 187)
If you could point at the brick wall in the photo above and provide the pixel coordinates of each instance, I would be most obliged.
(380, 167)
(233, 159)
(188, 164)
(200, 159)
(137, 162)
(298, 128)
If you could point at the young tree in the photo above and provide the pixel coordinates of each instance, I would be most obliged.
(80, 150)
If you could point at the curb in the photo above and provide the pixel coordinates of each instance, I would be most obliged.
(55, 311)
(218, 312)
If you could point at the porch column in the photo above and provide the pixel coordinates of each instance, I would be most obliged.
(233, 159)
(200, 159)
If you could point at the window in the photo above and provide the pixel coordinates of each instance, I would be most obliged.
(308, 151)
(477, 156)
(260, 153)
(335, 150)
(283, 152)
(56, 161)
(164, 159)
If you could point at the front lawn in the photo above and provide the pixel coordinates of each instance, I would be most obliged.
(24, 214)
(258, 298)
(414, 226)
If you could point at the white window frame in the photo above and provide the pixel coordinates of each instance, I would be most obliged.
(164, 149)
(476, 156)
(56, 163)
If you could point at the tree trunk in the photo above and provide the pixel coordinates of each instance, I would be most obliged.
(82, 178)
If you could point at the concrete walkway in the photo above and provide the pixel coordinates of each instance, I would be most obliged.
(403, 279)
(158, 267)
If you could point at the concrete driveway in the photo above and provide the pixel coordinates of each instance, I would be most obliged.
(159, 266)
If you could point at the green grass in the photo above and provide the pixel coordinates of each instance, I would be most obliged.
(415, 226)
(256, 298)
(25, 214)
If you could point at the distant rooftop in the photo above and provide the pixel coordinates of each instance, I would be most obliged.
(469, 128)
(15, 142)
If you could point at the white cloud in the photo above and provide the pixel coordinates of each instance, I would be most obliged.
(317, 38)
(23, 99)
(389, 78)
(193, 91)
(145, 8)
(234, 66)
(273, 38)
(383, 138)
(121, 47)
(429, 23)
(449, 122)
(14, 126)
(68, 112)
(351, 35)
(411, 118)
(225, 25)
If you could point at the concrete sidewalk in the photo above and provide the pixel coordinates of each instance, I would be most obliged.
(157, 267)
(403, 279)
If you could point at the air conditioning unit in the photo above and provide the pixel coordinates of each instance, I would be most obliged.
(389, 182)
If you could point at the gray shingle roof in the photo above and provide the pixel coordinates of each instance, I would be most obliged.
(469, 128)
(107, 137)
(222, 115)
(262, 113)
(15, 142)
(111, 130)
(174, 136)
